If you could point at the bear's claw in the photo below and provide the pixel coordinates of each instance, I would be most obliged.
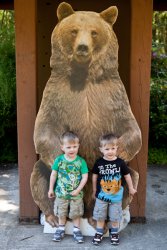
(52, 220)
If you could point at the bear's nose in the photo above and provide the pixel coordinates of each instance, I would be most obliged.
(82, 48)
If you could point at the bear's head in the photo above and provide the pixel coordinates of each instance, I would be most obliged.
(83, 36)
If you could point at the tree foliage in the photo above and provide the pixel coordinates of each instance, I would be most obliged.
(159, 32)
(158, 88)
(8, 134)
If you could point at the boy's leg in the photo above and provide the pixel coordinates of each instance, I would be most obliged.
(99, 233)
(99, 214)
(61, 209)
(76, 212)
(115, 214)
(114, 235)
(78, 237)
(60, 231)
(62, 220)
(76, 222)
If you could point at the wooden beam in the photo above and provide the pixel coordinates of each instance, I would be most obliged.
(26, 60)
(140, 67)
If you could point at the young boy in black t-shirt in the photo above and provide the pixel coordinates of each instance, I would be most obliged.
(107, 189)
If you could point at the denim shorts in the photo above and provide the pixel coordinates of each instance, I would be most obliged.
(103, 210)
(69, 208)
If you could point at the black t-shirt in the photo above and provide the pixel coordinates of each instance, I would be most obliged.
(109, 179)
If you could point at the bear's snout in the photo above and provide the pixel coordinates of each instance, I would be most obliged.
(82, 53)
(82, 49)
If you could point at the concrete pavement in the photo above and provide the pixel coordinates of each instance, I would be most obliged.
(149, 236)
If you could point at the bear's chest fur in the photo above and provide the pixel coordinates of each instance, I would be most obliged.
(88, 108)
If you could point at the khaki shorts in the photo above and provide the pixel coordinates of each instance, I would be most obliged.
(69, 208)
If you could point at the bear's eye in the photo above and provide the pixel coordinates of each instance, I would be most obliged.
(74, 32)
(94, 33)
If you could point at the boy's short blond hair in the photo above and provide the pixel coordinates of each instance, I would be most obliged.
(108, 139)
(69, 136)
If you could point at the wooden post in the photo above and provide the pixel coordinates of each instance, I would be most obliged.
(26, 58)
(140, 65)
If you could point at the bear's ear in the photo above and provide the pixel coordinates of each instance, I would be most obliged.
(64, 10)
(110, 14)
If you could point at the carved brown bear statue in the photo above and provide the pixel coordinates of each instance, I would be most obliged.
(84, 94)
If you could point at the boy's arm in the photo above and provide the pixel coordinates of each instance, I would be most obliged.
(128, 179)
(81, 185)
(53, 178)
(94, 184)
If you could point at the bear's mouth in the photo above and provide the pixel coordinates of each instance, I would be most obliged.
(82, 57)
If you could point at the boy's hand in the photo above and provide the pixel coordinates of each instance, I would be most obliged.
(51, 194)
(75, 192)
(132, 191)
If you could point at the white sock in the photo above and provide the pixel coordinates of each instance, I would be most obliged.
(62, 227)
(76, 229)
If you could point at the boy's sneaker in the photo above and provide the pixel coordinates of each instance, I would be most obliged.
(115, 239)
(97, 239)
(78, 237)
(59, 234)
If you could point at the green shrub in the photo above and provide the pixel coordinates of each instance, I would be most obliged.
(157, 156)
(8, 128)
(158, 102)
(158, 91)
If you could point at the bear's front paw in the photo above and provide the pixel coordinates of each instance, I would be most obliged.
(52, 220)
(92, 222)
